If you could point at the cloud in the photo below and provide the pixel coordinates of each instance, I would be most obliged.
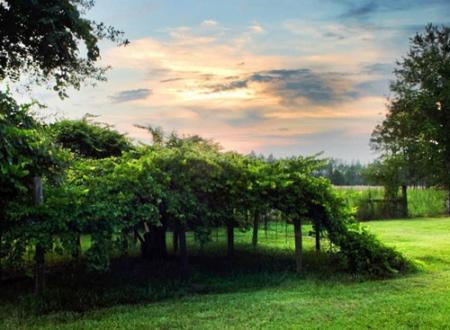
(364, 9)
(209, 23)
(256, 28)
(231, 90)
(131, 95)
(237, 84)
(372, 88)
(290, 85)
(170, 80)
(378, 68)
(246, 118)
(361, 10)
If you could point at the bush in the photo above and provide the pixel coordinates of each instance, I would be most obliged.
(363, 253)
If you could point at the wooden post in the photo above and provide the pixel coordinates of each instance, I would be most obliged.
(405, 200)
(184, 263)
(230, 239)
(255, 228)
(77, 252)
(39, 257)
(266, 224)
(317, 240)
(448, 199)
(298, 243)
(175, 240)
(1, 253)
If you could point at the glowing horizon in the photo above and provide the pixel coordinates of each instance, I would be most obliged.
(295, 77)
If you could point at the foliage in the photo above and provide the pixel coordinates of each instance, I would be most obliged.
(344, 174)
(181, 184)
(364, 253)
(418, 120)
(45, 41)
(370, 203)
(90, 139)
(391, 173)
(26, 151)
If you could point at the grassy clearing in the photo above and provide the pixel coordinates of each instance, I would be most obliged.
(274, 297)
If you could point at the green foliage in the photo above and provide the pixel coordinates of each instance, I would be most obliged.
(26, 151)
(90, 139)
(426, 202)
(390, 173)
(370, 204)
(363, 253)
(341, 173)
(178, 183)
(44, 40)
(418, 119)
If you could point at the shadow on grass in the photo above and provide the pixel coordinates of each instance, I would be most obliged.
(133, 280)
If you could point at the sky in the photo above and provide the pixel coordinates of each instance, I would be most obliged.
(275, 77)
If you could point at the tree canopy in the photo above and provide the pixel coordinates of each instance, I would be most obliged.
(417, 125)
(90, 139)
(51, 41)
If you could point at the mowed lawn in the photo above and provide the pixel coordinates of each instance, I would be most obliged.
(419, 301)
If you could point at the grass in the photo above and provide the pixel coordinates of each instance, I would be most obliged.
(270, 295)
(368, 200)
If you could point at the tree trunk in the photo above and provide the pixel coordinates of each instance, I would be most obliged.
(175, 240)
(154, 245)
(255, 229)
(405, 200)
(39, 270)
(1, 252)
(184, 263)
(448, 199)
(125, 243)
(266, 225)
(230, 239)
(39, 257)
(77, 252)
(298, 244)
(317, 240)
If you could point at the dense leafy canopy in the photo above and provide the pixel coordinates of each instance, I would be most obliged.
(51, 41)
(417, 126)
(90, 139)
(186, 184)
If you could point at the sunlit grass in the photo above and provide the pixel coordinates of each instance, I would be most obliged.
(281, 300)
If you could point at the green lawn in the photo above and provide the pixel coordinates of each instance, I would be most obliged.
(327, 301)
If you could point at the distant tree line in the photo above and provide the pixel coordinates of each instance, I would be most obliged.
(341, 173)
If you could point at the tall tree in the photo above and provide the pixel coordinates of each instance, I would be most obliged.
(417, 125)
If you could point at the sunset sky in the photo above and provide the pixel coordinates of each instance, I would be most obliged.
(281, 77)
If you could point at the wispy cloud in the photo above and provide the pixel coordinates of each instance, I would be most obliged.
(256, 28)
(131, 95)
(209, 23)
(361, 10)
(293, 85)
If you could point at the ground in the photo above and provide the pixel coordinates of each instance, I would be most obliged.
(328, 301)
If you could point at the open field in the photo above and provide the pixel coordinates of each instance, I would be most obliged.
(275, 297)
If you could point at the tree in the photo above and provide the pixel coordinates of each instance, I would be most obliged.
(27, 153)
(417, 125)
(90, 139)
(50, 41)
(392, 173)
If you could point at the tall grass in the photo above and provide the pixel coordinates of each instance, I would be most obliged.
(369, 202)
(426, 202)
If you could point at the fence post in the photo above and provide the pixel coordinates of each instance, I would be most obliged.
(39, 256)
(405, 200)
